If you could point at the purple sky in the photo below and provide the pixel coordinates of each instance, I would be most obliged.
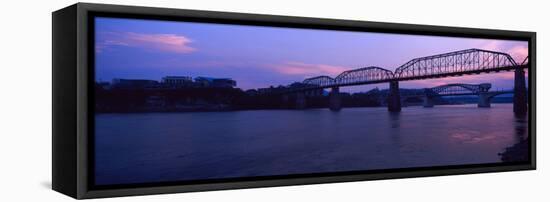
(258, 57)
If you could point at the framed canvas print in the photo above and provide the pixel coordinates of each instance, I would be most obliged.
(154, 100)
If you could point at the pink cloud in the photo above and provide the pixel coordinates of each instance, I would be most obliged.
(518, 51)
(160, 42)
(492, 45)
(309, 70)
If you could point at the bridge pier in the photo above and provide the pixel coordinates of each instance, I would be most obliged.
(394, 99)
(300, 100)
(285, 98)
(484, 100)
(381, 102)
(520, 92)
(335, 100)
(428, 102)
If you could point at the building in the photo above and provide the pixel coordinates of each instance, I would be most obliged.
(134, 83)
(215, 82)
(177, 81)
(252, 92)
(312, 91)
(103, 85)
(272, 89)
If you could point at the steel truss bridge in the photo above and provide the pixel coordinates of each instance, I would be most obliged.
(458, 63)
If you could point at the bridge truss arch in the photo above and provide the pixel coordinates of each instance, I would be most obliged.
(525, 61)
(319, 81)
(455, 64)
(364, 75)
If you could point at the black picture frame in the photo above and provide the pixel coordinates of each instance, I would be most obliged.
(72, 98)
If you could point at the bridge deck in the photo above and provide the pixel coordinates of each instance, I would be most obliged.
(409, 78)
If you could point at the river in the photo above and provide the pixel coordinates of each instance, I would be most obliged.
(158, 147)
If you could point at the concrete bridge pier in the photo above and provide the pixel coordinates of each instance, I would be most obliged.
(309, 93)
(335, 100)
(300, 100)
(394, 99)
(381, 101)
(520, 92)
(428, 102)
(484, 100)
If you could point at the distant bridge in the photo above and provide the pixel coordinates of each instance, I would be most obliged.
(460, 89)
(458, 63)
(456, 89)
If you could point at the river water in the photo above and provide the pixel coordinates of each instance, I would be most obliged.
(158, 147)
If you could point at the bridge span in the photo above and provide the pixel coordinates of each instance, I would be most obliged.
(452, 64)
(459, 89)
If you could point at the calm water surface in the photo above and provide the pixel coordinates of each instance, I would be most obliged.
(155, 147)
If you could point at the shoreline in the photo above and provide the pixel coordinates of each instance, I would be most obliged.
(256, 109)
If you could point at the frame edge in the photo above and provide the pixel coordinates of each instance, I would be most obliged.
(64, 127)
(83, 191)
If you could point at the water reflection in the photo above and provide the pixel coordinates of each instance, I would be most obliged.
(187, 146)
(395, 124)
(519, 152)
(394, 119)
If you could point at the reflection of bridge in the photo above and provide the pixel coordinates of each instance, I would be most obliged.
(459, 63)
(428, 95)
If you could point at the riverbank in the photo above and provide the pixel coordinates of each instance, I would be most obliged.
(516, 153)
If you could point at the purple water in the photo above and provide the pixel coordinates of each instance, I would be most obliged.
(159, 147)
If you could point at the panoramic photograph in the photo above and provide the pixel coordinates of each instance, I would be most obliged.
(187, 101)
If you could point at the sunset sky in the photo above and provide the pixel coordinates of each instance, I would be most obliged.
(259, 57)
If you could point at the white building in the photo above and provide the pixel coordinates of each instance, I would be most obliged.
(177, 80)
